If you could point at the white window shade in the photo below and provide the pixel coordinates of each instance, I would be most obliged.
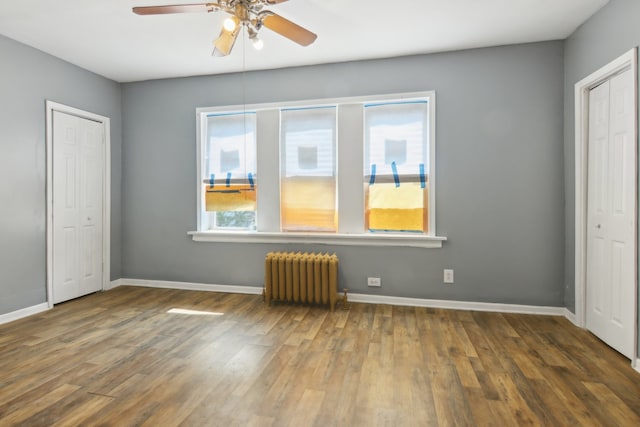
(230, 147)
(308, 147)
(396, 133)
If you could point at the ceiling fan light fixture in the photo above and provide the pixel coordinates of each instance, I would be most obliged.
(258, 44)
(229, 24)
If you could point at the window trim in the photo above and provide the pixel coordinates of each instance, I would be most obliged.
(342, 237)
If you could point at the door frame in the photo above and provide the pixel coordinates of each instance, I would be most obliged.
(629, 60)
(106, 190)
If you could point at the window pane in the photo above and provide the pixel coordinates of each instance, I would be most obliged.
(308, 204)
(308, 183)
(396, 166)
(229, 170)
(391, 208)
(235, 219)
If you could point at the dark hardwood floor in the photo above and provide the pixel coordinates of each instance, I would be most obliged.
(119, 358)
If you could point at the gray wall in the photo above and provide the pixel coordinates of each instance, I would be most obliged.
(499, 172)
(608, 34)
(27, 78)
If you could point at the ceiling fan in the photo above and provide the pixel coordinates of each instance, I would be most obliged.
(244, 13)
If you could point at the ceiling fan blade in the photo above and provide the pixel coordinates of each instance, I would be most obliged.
(175, 8)
(288, 29)
(224, 43)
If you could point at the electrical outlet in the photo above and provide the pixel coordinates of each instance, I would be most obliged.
(448, 275)
(374, 282)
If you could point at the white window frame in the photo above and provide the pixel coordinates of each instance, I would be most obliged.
(381, 177)
(350, 152)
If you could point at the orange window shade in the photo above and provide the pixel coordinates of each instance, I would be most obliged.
(391, 208)
(236, 197)
(309, 204)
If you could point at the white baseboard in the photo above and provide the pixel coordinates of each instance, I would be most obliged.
(113, 284)
(253, 290)
(571, 317)
(353, 297)
(24, 312)
(457, 305)
(364, 298)
(636, 365)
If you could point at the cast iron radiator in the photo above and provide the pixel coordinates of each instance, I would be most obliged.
(302, 277)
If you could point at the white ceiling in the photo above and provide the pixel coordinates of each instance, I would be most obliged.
(104, 36)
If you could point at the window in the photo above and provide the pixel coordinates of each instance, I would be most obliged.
(344, 171)
(308, 169)
(229, 181)
(396, 166)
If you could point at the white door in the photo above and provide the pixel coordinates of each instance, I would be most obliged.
(611, 213)
(78, 175)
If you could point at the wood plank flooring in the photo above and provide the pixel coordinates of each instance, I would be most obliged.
(119, 358)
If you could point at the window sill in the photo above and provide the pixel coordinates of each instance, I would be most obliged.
(374, 239)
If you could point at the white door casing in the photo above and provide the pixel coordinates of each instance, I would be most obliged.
(78, 202)
(610, 278)
(582, 90)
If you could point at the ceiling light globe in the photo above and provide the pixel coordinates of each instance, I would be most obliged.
(258, 44)
(229, 24)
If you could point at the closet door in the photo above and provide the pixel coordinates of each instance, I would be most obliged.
(78, 178)
(611, 216)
